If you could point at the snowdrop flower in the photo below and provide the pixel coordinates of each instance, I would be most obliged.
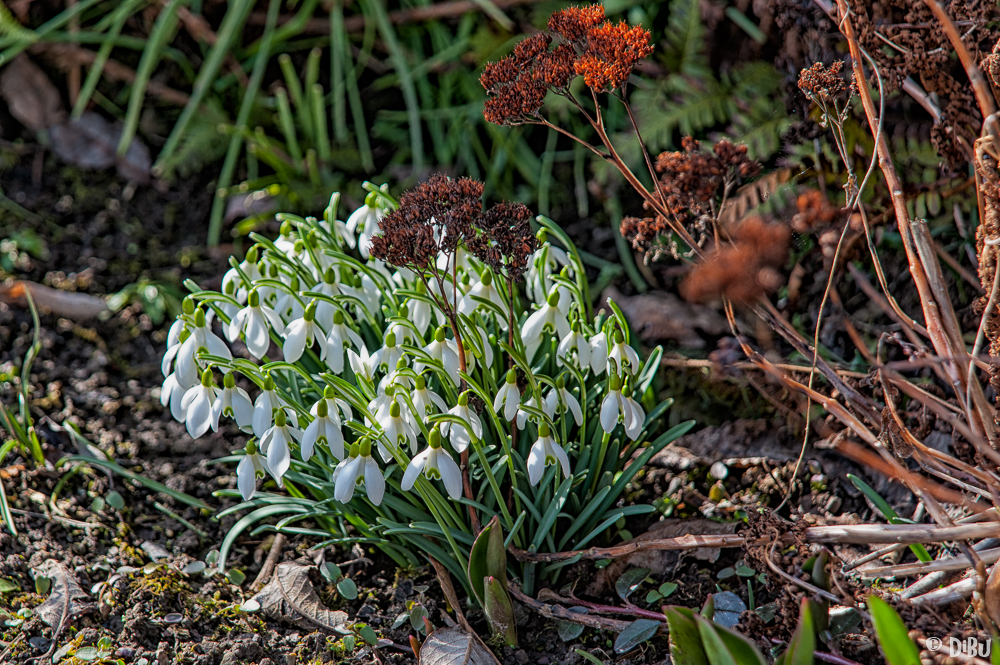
(522, 415)
(548, 317)
(264, 407)
(337, 227)
(545, 261)
(440, 350)
(575, 342)
(289, 306)
(341, 337)
(616, 405)
(197, 405)
(459, 435)
(253, 321)
(167, 364)
(232, 277)
(228, 308)
(333, 403)
(364, 221)
(624, 355)
(396, 377)
(420, 310)
(545, 452)
(365, 291)
(486, 290)
(301, 333)
(359, 467)
(274, 444)
(251, 467)
(201, 337)
(389, 355)
(560, 400)
(324, 430)
(362, 363)
(425, 400)
(436, 464)
(234, 403)
(402, 331)
(470, 357)
(508, 397)
(398, 431)
(599, 353)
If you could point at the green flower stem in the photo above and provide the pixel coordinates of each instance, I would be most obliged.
(476, 445)
(600, 461)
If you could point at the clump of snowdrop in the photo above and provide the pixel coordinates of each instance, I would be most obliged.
(455, 342)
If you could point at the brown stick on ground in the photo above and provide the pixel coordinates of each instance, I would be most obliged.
(269, 563)
(67, 56)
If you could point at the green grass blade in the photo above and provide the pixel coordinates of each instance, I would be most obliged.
(42, 32)
(236, 141)
(287, 123)
(337, 86)
(163, 31)
(398, 58)
(246, 521)
(229, 30)
(319, 120)
(131, 475)
(120, 15)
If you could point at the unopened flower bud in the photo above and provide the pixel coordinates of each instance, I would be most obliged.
(329, 392)
(188, 306)
(511, 376)
(199, 318)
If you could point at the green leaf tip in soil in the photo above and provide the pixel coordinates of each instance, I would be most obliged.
(893, 638)
(290, 596)
(500, 611)
(455, 646)
(726, 647)
(7, 586)
(635, 634)
(629, 581)
(802, 646)
(487, 572)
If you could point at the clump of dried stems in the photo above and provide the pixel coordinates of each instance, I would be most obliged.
(962, 498)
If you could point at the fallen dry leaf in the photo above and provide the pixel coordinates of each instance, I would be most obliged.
(455, 646)
(290, 596)
(91, 142)
(66, 601)
(660, 562)
(30, 95)
(73, 306)
(659, 315)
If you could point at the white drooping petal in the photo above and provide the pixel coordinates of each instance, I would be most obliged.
(573, 405)
(536, 463)
(609, 411)
(414, 468)
(295, 340)
(279, 457)
(451, 475)
(374, 482)
(263, 412)
(246, 477)
(637, 418)
(599, 353)
(347, 478)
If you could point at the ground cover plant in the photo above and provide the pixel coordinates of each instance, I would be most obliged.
(814, 371)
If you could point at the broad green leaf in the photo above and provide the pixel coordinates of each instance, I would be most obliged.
(897, 647)
(685, 640)
(347, 588)
(568, 631)
(500, 611)
(478, 568)
(635, 634)
(726, 647)
(6, 585)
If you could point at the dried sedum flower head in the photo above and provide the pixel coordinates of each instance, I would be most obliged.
(504, 240)
(821, 83)
(432, 218)
(517, 84)
(611, 53)
(814, 212)
(573, 23)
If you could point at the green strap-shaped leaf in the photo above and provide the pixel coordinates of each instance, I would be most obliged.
(897, 647)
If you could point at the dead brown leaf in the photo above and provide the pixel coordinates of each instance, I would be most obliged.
(91, 142)
(658, 315)
(455, 646)
(66, 601)
(290, 596)
(72, 306)
(30, 95)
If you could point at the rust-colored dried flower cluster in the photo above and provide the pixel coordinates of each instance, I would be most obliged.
(604, 53)
(743, 271)
(437, 215)
(823, 84)
(690, 181)
(503, 239)
(433, 217)
(518, 83)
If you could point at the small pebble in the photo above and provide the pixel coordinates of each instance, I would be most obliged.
(719, 471)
